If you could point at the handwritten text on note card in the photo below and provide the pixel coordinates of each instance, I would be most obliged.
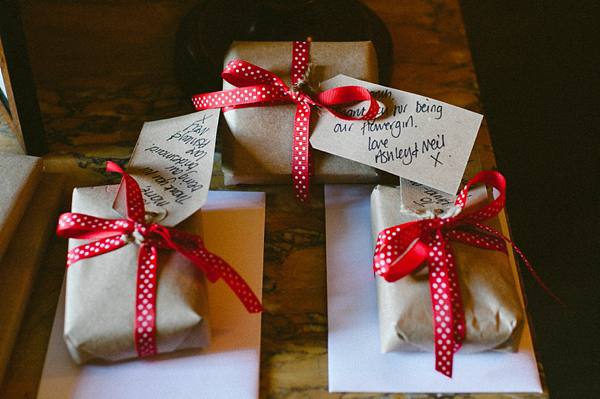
(415, 137)
(172, 162)
(419, 198)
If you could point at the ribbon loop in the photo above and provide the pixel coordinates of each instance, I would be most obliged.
(345, 95)
(86, 227)
(299, 97)
(258, 87)
(111, 234)
(243, 74)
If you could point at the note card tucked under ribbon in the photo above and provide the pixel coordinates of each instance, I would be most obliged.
(414, 137)
(420, 198)
(172, 162)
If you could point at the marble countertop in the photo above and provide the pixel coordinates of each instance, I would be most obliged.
(101, 73)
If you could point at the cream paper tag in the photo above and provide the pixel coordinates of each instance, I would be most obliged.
(172, 163)
(420, 198)
(414, 137)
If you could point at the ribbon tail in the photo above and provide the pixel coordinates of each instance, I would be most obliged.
(95, 248)
(213, 267)
(531, 269)
(241, 289)
(144, 322)
(231, 277)
(446, 304)
(478, 239)
(301, 168)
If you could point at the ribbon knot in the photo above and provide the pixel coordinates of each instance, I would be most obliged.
(111, 234)
(137, 236)
(403, 248)
(300, 97)
(436, 223)
(257, 87)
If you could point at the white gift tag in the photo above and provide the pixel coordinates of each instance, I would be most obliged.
(172, 162)
(414, 137)
(420, 198)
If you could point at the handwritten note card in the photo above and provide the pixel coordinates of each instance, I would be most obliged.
(415, 137)
(172, 162)
(418, 197)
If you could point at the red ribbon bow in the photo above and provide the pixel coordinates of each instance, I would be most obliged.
(401, 249)
(111, 234)
(259, 87)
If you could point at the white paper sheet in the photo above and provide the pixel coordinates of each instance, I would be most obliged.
(356, 363)
(233, 225)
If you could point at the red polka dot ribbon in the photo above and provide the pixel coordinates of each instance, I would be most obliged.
(111, 234)
(401, 249)
(258, 87)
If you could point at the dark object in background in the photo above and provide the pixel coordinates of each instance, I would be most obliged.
(537, 68)
(209, 29)
(28, 115)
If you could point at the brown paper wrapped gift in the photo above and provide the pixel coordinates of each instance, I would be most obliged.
(257, 141)
(491, 302)
(100, 294)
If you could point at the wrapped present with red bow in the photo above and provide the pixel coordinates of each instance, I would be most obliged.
(444, 281)
(135, 288)
(268, 92)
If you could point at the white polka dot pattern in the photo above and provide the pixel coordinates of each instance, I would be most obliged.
(145, 303)
(136, 211)
(213, 266)
(110, 234)
(301, 172)
(480, 239)
(400, 249)
(446, 304)
(259, 87)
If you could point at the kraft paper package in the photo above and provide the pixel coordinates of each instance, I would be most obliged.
(100, 293)
(257, 141)
(492, 306)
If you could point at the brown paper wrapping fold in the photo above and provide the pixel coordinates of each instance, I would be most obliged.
(100, 294)
(257, 141)
(493, 311)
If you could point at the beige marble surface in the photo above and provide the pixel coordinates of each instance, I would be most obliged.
(104, 68)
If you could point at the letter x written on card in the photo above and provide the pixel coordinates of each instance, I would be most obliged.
(414, 137)
(172, 163)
